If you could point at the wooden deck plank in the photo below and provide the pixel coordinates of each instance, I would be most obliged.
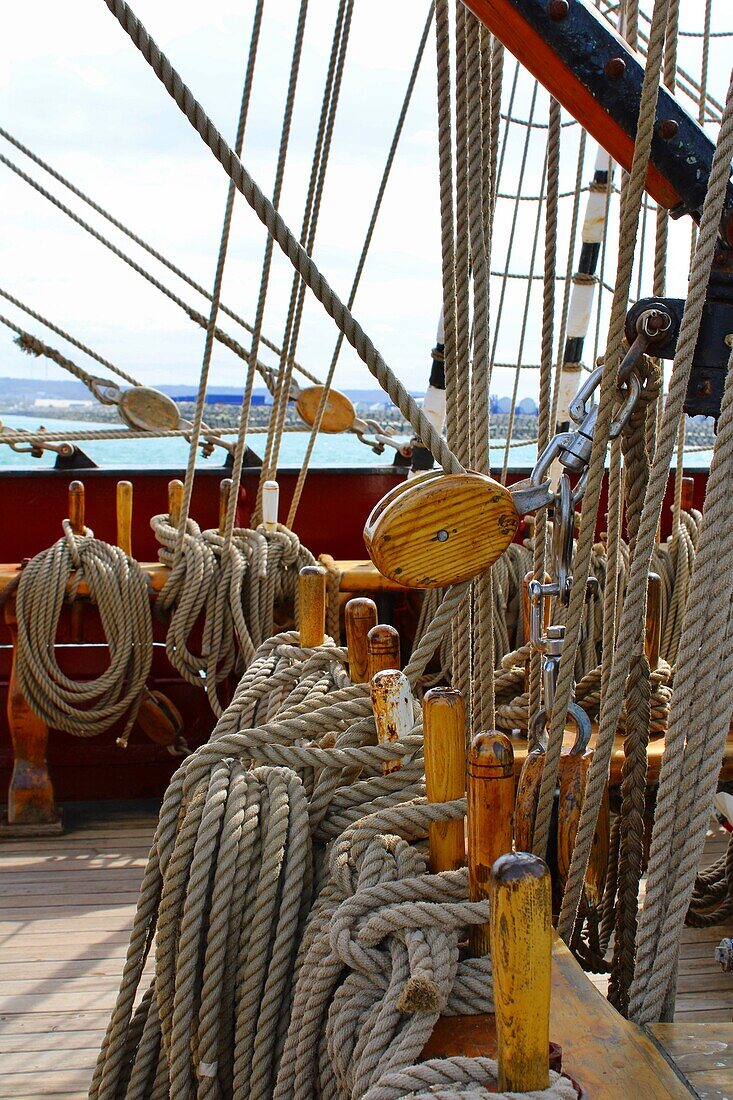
(66, 909)
(703, 1052)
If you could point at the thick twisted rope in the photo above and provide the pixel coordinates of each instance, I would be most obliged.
(636, 586)
(119, 588)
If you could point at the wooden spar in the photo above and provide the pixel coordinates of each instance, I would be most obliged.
(270, 505)
(312, 605)
(653, 625)
(225, 488)
(490, 810)
(175, 501)
(521, 953)
(383, 643)
(124, 516)
(444, 727)
(360, 615)
(392, 706)
(531, 48)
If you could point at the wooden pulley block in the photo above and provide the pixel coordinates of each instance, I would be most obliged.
(338, 415)
(440, 529)
(573, 774)
(159, 719)
(148, 410)
(527, 797)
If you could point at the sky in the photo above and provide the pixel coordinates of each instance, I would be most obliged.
(75, 90)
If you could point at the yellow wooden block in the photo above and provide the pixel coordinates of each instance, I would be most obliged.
(440, 529)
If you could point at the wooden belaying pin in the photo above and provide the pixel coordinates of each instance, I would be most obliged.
(444, 730)
(383, 644)
(270, 505)
(175, 501)
(653, 625)
(312, 605)
(76, 507)
(360, 615)
(124, 517)
(521, 951)
(490, 807)
(225, 488)
(392, 707)
(688, 494)
(76, 519)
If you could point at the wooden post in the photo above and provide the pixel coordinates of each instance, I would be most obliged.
(225, 488)
(76, 507)
(688, 494)
(270, 504)
(490, 816)
(175, 501)
(521, 948)
(383, 643)
(444, 725)
(392, 706)
(31, 805)
(653, 626)
(124, 517)
(360, 615)
(312, 605)
(76, 519)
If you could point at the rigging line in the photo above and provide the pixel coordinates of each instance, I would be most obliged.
(525, 318)
(33, 346)
(143, 244)
(316, 184)
(279, 231)
(515, 217)
(228, 341)
(71, 339)
(266, 266)
(198, 417)
(360, 265)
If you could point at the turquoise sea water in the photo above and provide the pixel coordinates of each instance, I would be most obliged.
(162, 454)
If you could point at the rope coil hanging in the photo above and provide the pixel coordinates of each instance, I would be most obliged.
(119, 588)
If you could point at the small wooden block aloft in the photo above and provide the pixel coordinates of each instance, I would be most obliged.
(339, 413)
(440, 529)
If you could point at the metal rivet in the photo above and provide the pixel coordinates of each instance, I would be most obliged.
(558, 9)
(729, 340)
(442, 536)
(615, 68)
(668, 129)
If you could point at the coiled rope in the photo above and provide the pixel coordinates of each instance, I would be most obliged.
(119, 588)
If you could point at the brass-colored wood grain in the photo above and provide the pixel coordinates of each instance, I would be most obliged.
(175, 501)
(360, 615)
(383, 645)
(146, 409)
(521, 953)
(124, 516)
(312, 605)
(444, 732)
(225, 488)
(76, 507)
(490, 805)
(338, 415)
(440, 529)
